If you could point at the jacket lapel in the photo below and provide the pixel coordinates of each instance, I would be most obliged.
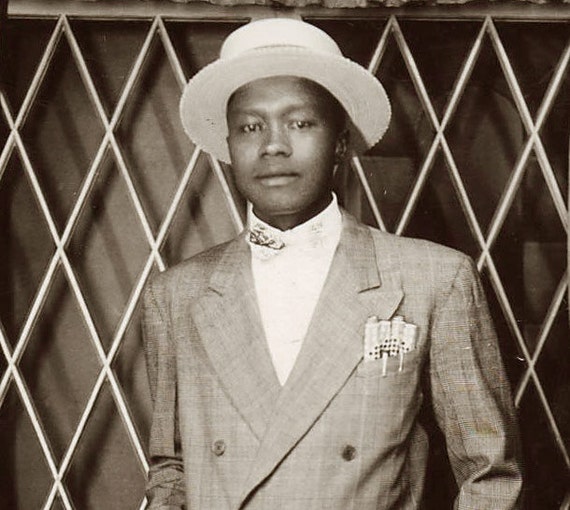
(357, 287)
(228, 322)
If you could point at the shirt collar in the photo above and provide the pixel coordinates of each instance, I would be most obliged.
(327, 223)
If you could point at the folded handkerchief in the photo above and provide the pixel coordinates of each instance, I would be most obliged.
(385, 338)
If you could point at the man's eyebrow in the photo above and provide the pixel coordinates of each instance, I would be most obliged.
(243, 111)
(262, 111)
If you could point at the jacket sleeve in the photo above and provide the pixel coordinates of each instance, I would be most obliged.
(472, 399)
(165, 487)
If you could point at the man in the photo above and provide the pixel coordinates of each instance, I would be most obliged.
(288, 366)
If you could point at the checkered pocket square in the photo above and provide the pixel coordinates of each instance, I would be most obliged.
(388, 338)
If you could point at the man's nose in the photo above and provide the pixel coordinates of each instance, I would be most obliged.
(276, 142)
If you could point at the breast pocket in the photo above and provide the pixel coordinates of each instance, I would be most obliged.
(390, 397)
(392, 366)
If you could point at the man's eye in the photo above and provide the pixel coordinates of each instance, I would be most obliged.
(301, 124)
(250, 128)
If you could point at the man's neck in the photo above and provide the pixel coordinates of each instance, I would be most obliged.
(288, 221)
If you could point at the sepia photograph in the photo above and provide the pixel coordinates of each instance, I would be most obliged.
(284, 255)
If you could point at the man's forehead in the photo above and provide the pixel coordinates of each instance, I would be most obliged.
(281, 88)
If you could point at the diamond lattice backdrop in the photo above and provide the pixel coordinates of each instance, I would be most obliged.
(99, 189)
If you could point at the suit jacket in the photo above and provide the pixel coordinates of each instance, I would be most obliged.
(339, 434)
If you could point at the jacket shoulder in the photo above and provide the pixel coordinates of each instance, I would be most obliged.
(411, 247)
(423, 261)
(193, 273)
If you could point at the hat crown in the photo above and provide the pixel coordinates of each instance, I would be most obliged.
(278, 32)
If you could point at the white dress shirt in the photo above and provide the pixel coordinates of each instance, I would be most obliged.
(289, 281)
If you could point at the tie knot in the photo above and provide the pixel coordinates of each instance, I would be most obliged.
(263, 237)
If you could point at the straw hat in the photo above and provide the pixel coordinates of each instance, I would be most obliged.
(281, 47)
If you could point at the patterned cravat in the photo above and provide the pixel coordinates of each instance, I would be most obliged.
(266, 241)
(260, 236)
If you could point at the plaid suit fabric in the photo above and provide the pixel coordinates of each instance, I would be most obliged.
(339, 434)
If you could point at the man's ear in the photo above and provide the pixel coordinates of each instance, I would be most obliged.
(341, 146)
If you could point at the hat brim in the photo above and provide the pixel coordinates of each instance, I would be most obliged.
(205, 97)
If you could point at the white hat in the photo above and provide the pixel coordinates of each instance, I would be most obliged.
(280, 47)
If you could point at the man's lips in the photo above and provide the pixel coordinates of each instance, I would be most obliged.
(277, 178)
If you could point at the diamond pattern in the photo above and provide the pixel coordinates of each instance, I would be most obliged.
(552, 365)
(486, 116)
(554, 134)
(440, 61)
(545, 487)
(26, 55)
(390, 180)
(57, 505)
(533, 66)
(107, 262)
(104, 446)
(61, 130)
(27, 248)
(202, 220)
(129, 365)
(59, 368)
(507, 253)
(152, 136)
(110, 51)
(133, 171)
(357, 38)
(438, 215)
(24, 476)
(196, 44)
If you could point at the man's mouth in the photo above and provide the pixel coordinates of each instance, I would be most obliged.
(277, 179)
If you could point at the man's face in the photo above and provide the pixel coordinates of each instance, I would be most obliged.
(283, 138)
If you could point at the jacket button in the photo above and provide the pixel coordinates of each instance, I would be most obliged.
(219, 447)
(349, 453)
